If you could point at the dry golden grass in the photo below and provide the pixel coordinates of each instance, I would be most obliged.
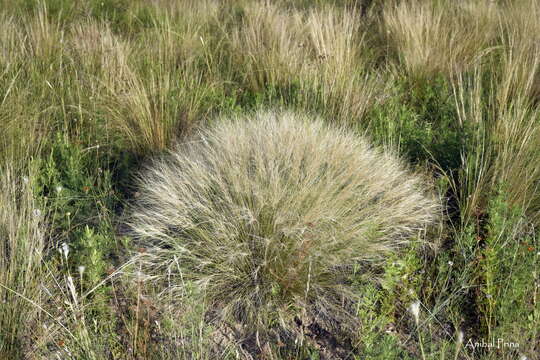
(340, 74)
(520, 70)
(11, 39)
(22, 235)
(507, 134)
(45, 38)
(267, 216)
(431, 39)
(99, 51)
(268, 47)
(322, 52)
(516, 133)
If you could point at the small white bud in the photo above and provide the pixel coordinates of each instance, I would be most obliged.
(415, 310)
(65, 250)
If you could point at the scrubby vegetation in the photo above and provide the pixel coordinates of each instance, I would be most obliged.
(94, 92)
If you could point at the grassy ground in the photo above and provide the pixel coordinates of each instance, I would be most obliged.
(92, 90)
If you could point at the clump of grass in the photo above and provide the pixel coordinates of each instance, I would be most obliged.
(22, 239)
(315, 59)
(504, 148)
(152, 100)
(44, 37)
(269, 215)
(338, 76)
(443, 38)
(267, 46)
(10, 41)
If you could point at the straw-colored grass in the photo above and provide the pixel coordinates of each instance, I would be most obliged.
(430, 38)
(269, 215)
(504, 113)
(22, 235)
(321, 53)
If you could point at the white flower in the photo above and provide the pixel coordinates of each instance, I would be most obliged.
(65, 250)
(81, 269)
(58, 189)
(450, 263)
(414, 308)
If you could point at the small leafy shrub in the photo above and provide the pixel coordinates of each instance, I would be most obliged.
(79, 193)
(509, 285)
(421, 121)
(270, 215)
(76, 188)
(376, 340)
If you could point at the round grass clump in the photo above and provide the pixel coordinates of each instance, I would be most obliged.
(268, 216)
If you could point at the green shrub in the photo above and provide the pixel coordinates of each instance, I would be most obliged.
(509, 284)
(421, 121)
(270, 215)
(79, 198)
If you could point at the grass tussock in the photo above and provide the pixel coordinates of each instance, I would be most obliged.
(431, 38)
(321, 54)
(507, 130)
(267, 226)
